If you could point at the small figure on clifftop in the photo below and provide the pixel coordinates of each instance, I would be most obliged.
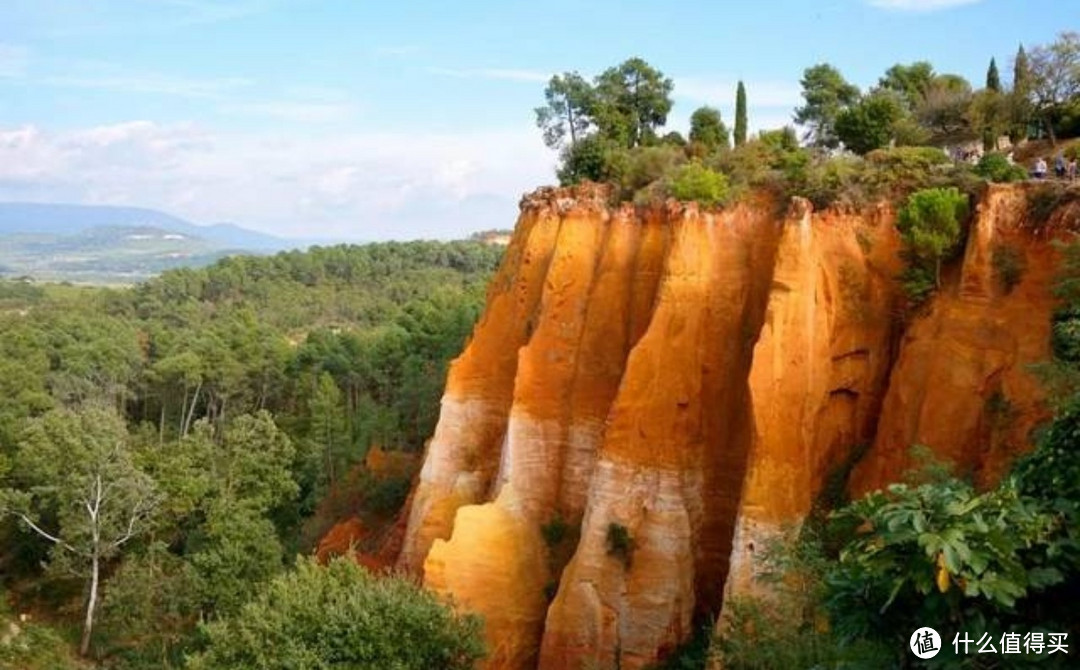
(1040, 169)
(1059, 166)
(1071, 172)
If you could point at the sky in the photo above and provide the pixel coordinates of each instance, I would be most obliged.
(361, 120)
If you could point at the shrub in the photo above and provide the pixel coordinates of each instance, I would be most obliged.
(342, 616)
(997, 168)
(634, 170)
(696, 182)
(555, 531)
(1009, 265)
(905, 169)
(619, 543)
(588, 159)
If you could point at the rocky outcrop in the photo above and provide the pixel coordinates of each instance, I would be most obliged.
(654, 392)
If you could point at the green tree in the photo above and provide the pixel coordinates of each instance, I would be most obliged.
(740, 115)
(585, 160)
(77, 486)
(910, 81)
(1020, 97)
(327, 427)
(826, 93)
(1055, 78)
(993, 78)
(944, 109)
(633, 99)
(869, 124)
(341, 616)
(707, 129)
(929, 225)
(569, 99)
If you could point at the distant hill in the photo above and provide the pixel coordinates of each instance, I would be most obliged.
(105, 244)
(27, 217)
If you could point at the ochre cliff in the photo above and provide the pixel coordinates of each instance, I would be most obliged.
(652, 392)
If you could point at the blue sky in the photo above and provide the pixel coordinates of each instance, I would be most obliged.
(374, 120)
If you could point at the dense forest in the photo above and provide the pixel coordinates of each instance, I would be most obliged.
(205, 415)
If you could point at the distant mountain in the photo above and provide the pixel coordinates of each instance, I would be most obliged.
(42, 218)
(104, 244)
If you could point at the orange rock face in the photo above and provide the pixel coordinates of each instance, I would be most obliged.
(652, 393)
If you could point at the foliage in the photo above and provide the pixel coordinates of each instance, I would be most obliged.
(569, 100)
(929, 225)
(740, 115)
(910, 81)
(342, 616)
(868, 125)
(586, 160)
(240, 391)
(996, 167)
(1009, 265)
(634, 171)
(826, 93)
(944, 110)
(696, 182)
(941, 552)
(620, 544)
(707, 129)
(632, 100)
(78, 487)
(1054, 72)
(555, 531)
(790, 628)
(993, 77)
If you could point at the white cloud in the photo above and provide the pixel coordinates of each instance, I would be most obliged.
(920, 5)
(360, 185)
(493, 73)
(13, 61)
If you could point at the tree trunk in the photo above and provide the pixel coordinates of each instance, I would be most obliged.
(88, 623)
(191, 411)
(937, 273)
(1050, 129)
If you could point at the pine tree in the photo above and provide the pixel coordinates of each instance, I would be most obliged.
(740, 115)
(993, 79)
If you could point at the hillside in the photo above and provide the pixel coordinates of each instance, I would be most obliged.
(105, 244)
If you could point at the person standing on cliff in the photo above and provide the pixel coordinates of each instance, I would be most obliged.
(1040, 168)
(1059, 166)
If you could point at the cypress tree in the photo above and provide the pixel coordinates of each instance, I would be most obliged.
(993, 79)
(1021, 107)
(740, 115)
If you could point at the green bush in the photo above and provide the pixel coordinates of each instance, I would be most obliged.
(342, 616)
(696, 182)
(997, 168)
(555, 531)
(632, 171)
(588, 159)
(619, 543)
(906, 169)
(1009, 265)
